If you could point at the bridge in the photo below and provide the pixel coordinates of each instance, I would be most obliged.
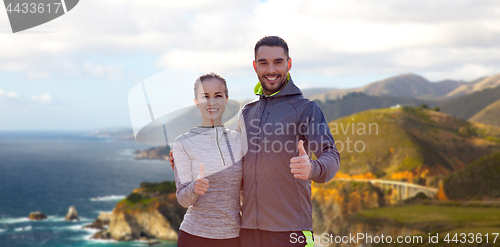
(400, 190)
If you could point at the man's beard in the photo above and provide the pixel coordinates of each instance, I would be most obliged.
(280, 85)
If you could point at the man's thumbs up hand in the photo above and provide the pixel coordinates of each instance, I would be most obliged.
(201, 183)
(301, 165)
(302, 151)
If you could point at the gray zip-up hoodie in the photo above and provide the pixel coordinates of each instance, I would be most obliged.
(216, 214)
(273, 200)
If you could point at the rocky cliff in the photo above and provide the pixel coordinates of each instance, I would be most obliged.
(149, 212)
(333, 202)
(335, 212)
(157, 153)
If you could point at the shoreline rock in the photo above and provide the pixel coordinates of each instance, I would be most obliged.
(37, 215)
(72, 214)
(101, 223)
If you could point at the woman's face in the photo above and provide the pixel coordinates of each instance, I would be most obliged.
(211, 100)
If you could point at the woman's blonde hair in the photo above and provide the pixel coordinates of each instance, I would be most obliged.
(208, 76)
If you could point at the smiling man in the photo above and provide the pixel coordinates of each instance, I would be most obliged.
(271, 65)
(283, 130)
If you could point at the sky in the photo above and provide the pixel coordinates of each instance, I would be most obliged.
(76, 72)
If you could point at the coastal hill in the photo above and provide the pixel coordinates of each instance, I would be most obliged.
(355, 102)
(478, 85)
(411, 85)
(410, 143)
(465, 107)
(405, 85)
(477, 181)
(154, 153)
(489, 115)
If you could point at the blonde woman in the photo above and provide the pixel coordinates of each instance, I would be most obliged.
(208, 171)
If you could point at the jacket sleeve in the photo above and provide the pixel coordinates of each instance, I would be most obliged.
(319, 140)
(240, 128)
(183, 176)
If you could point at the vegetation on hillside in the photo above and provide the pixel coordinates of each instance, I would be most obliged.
(438, 220)
(489, 115)
(148, 192)
(479, 179)
(418, 142)
(357, 102)
(469, 105)
(336, 200)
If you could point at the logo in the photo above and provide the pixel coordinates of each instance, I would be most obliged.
(25, 14)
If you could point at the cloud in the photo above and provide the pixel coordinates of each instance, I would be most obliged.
(12, 95)
(103, 71)
(334, 38)
(466, 72)
(44, 98)
(18, 100)
(226, 64)
(10, 98)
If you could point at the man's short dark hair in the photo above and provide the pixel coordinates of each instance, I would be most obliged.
(272, 41)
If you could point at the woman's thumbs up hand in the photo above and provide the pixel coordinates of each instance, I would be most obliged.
(201, 183)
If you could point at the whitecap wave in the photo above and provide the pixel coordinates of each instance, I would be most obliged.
(80, 228)
(9, 220)
(90, 233)
(3, 230)
(104, 241)
(54, 218)
(84, 219)
(66, 228)
(107, 198)
(26, 228)
(88, 238)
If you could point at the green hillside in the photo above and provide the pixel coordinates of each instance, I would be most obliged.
(477, 180)
(409, 139)
(489, 115)
(469, 105)
(440, 220)
(358, 102)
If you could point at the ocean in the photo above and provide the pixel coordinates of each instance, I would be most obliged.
(51, 171)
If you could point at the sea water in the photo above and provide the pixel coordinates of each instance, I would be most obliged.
(51, 171)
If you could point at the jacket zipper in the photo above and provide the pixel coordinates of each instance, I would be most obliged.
(255, 168)
(218, 146)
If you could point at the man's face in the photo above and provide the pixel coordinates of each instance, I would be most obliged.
(271, 66)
